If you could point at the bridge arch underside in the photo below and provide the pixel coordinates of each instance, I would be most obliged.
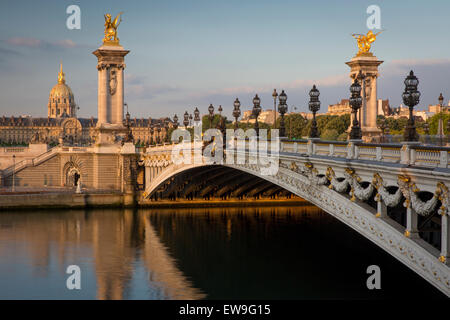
(217, 182)
(388, 232)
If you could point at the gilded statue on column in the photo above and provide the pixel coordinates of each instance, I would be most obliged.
(111, 29)
(365, 42)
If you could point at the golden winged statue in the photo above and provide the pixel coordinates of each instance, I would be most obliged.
(111, 29)
(365, 41)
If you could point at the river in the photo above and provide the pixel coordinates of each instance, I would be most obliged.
(209, 253)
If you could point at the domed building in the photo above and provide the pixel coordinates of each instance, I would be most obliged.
(61, 102)
(62, 127)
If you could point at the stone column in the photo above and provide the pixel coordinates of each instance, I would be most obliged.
(411, 223)
(147, 176)
(368, 65)
(110, 85)
(120, 93)
(445, 239)
(101, 95)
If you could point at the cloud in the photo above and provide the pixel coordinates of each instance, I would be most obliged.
(43, 44)
(137, 87)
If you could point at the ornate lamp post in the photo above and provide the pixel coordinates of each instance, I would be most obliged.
(256, 111)
(175, 122)
(14, 174)
(314, 106)
(190, 119)
(129, 135)
(282, 109)
(220, 110)
(236, 112)
(211, 114)
(152, 131)
(355, 102)
(158, 129)
(411, 98)
(441, 120)
(196, 115)
(166, 129)
(186, 119)
(426, 128)
(274, 95)
(382, 127)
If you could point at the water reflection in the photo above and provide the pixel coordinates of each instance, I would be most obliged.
(111, 246)
(221, 253)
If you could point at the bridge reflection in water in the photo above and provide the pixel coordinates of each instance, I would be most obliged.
(258, 253)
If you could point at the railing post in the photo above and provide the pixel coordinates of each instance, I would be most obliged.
(381, 208)
(331, 149)
(379, 155)
(310, 146)
(412, 159)
(443, 159)
(445, 239)
(350, 150)
(295, 147)
(404, 154)
(411, 223)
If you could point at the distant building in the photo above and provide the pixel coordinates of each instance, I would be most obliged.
(266, 116)
(63, 126)
(343, 107)
(340, 108)
(383, 108)
(436, 108)
(403, 112)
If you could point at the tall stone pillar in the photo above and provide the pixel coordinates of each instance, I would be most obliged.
(368, 64)
(110, 66)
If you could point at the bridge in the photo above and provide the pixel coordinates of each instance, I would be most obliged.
(395, 195)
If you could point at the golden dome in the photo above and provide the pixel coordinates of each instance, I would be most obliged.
(61, 90)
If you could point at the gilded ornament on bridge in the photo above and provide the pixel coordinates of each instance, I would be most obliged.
(111, 29)
(364, 42)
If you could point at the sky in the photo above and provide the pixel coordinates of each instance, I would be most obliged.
(187, 54)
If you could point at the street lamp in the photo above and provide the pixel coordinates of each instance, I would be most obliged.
(211, 114)
(158, 128)
(314, 106)
(220, 110)
(236, 112)
(166, 128)
(255, 111)
(282, 109)
(196, 115)
(441, 121)
(383, 126)
(355, 102)
(190, 119)
(152, 131)
(14, 173)
(274, 95)
(411, 98)
(175, 122)
(186, 119)
(129, 135)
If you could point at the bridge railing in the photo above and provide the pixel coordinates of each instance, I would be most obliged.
(410, 154)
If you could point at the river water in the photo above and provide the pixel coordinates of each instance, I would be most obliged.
(209, 253)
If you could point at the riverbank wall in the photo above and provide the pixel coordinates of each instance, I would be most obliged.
(117, 200)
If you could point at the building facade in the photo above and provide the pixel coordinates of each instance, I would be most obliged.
(62, 126)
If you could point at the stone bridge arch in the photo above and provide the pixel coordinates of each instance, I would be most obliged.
(364, 218)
